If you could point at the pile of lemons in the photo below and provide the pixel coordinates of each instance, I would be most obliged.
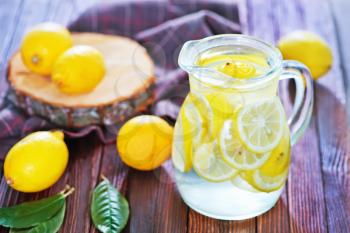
(47, 49)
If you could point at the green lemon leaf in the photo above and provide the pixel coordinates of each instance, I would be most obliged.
(109, 209)
(31, 213)
(50, 226)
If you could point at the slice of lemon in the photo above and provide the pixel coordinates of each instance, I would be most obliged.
(181, 149)
(273, 173)
(193, 122)
(209, 165)
(241, 183)
(238, 69)
(223, 106)
(189, 129)
(234, 152)
(261, 125)
(267, 183)
(202, 105)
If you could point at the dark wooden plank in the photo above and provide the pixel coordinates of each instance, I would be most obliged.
(277, 219)
(332, 122)
(305, 189)
(83, 173)
(199, 223)
(155, 204)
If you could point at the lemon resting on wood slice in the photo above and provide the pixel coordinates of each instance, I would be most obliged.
(144, 142)
(234, 152)
(42, 45)
(273, 173)
(36, 162)
(261, 124)
(188, 129)
(78, 70)
(209, 165)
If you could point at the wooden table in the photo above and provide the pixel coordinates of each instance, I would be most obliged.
(317, 197)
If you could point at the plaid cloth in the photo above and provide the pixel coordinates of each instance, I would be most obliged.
(162, 27)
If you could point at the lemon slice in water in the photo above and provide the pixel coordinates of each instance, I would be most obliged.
(224, 106)
(209, 165)
(261, 125)
(189, 128)
(238, 69)
(234, 152)
(273, 173)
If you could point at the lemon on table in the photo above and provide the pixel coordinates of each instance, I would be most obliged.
(273, 173)
(189, 129)
(42, 45)
(234, 152)
(209, 165)
(78, 70)
(308, 48)
(144, 142)
(261, 124)
(36, 162)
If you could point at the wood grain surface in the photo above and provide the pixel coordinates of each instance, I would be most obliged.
(317, 197)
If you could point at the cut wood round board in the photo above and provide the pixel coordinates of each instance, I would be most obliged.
(126, 89)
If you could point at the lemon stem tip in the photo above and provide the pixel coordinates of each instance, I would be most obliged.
(68, 190)
(58, 134)
(103, 177)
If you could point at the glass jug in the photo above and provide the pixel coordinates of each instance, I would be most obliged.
(231, 148)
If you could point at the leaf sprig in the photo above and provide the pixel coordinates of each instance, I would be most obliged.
(109, 208)
(41, 216)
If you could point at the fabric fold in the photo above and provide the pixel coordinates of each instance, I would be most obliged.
(160, 26)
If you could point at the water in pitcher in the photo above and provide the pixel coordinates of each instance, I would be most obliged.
(231, 146)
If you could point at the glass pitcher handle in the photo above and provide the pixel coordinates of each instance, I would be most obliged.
(304, 98)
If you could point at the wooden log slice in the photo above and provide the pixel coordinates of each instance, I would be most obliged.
(126, 89)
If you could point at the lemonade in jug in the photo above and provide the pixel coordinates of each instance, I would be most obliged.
(232, 139)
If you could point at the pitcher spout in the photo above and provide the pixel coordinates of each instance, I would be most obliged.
(188, 55)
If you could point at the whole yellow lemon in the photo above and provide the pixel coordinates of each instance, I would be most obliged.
(42, 45)
(78, 70)
(308, 48)
(144, 142)
(36, 162)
